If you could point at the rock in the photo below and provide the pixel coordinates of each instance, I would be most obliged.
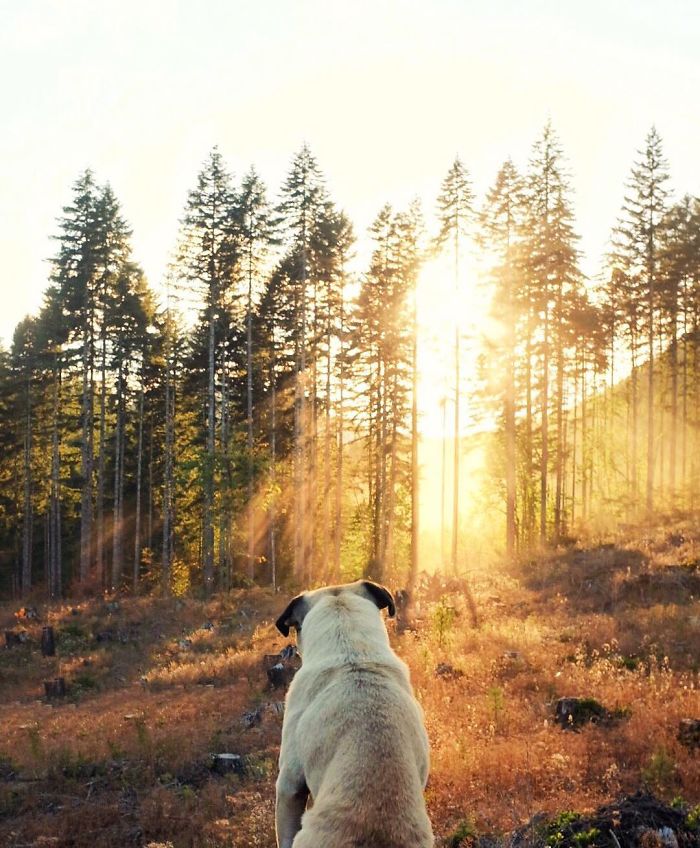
(689, 732)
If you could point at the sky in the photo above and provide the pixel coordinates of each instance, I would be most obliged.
(386, 93)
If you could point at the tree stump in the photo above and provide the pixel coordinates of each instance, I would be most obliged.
(228, 764)
(12, 638)
(571, 713)
(48, 642)
(280, 675)
(282, 667)
(55, 688)
(689, 732)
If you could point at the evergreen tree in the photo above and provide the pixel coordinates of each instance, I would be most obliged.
(256, 235)
(303, 209)
(637, 243)
(501, 222)
(207, 261)
(550, 266)
(455, 213)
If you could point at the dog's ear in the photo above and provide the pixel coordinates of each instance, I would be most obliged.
(292, 616)
(381, 596)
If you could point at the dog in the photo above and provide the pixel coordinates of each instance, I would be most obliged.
(353, 736)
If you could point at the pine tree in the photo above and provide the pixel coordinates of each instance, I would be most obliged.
(550, 264)
(637, 244)
(208, 260)
(455, 213)
(76, 274)
(256, 230)
(303, 208)
(501, 219)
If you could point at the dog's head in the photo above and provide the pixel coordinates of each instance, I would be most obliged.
(300, 606)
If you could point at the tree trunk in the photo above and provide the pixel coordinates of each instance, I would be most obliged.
(340, 414)
(573, 441)
(168, 478)
(456, 446)
(415, 479)
(273, 468)
(249, 416)
(99, 547)
(86, 459)
(509, 422)
(326, 533)
(673, 354)
(117, 513)
(544, 414)
(225, 487)
(28, 511)
(137, 515)
(208, 517)
(55, 505)
(650, 399)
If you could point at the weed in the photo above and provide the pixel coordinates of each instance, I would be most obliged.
(142, 734)
(72, 638)
(462, 836)
(554, 831)
(495, 695)
(85, 681)
(692, 820)
(116, 752)
(660, 772)
(443, 621)
(585, 837)
(73, 766)
(36, 745)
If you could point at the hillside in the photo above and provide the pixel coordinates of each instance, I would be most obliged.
(156, 686)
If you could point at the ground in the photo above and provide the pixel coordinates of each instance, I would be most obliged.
(157, 686)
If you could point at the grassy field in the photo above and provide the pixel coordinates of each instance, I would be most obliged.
(156, 686)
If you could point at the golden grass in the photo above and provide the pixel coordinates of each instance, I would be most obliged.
(125, 761)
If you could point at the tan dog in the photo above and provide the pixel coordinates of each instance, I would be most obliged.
(353, 735)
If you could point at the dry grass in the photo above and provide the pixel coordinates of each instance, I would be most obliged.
(125, 759)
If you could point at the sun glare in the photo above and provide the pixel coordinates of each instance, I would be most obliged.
(443, 309)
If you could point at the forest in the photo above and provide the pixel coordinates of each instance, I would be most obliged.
(259, 420)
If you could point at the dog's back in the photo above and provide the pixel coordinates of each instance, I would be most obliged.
(357, 732)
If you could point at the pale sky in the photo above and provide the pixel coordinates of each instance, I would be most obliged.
(386, 92)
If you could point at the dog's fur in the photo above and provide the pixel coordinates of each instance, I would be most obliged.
(353, 735)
